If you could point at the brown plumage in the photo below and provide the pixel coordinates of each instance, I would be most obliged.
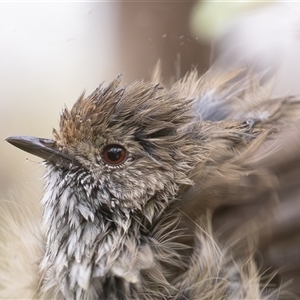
(157, 193)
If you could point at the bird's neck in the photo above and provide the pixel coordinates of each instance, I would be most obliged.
(85, 241)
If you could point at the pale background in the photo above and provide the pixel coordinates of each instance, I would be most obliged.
(51, 52)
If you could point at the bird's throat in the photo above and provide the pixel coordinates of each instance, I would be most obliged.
(84, 246)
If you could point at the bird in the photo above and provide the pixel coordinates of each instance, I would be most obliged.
(156, 192)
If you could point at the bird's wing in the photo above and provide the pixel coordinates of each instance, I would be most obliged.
(253, 194)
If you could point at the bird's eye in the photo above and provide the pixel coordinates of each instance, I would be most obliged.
(114, 154)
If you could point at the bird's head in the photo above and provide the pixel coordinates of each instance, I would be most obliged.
(129, 146)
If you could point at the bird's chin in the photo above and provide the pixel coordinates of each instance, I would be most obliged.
(44, 148)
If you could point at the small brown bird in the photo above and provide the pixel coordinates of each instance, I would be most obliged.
(157, 193)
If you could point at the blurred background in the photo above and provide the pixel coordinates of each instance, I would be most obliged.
(51, 52)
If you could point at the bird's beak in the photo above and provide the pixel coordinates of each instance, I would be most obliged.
(44, 148)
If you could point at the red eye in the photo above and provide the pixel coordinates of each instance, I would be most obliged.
(114, 154)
